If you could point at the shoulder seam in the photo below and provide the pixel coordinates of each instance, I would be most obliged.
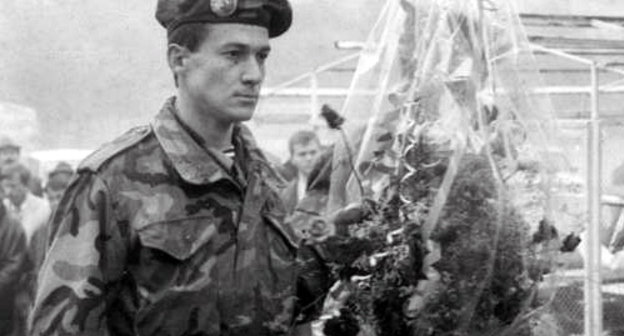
(108, 151)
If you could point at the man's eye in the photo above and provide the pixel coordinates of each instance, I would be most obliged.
(235, 54)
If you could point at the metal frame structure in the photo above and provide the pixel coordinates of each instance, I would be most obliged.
(593, 275)
(593, 279)
(313, 91)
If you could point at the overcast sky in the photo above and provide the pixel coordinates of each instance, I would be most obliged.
(93, 68)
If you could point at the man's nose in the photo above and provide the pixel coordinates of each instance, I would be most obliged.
(253, 73)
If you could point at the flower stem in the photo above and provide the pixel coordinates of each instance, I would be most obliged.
(351, 164)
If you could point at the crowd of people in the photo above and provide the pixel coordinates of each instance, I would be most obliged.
(25, 210)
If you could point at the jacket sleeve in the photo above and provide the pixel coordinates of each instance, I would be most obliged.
(313, 283)
(85, 259)
(12, 253)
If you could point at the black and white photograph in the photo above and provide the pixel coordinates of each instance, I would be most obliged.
(312, 168)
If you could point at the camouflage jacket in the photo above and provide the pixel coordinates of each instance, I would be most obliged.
(157, 236)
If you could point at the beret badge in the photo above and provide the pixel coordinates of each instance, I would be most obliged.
(223, 8)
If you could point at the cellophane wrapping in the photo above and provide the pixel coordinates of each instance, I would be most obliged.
(449, 141)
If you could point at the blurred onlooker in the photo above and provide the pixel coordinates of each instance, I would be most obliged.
(307, 219)
(10, 152)
(305, 149)
(12, 254)
(33, 213)
(58, 180)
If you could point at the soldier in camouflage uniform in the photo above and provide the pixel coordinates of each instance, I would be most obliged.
(162, 231)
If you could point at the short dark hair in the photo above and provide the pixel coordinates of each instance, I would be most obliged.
(190, 35)
(302, 137)
(11, 169)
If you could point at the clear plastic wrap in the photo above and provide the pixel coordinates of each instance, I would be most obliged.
(449, 143)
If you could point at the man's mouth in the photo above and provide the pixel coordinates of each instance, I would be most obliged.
(247, 97)
(250, 95)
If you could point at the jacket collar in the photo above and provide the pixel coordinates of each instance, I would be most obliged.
(194, 163)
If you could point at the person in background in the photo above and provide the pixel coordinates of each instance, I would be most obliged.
(305, 149)
(12, 256)
(33, 214)
(10, 152)
(58, 181)
(32, 211)
(306, 219)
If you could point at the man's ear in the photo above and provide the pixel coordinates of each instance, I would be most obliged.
(177, 56)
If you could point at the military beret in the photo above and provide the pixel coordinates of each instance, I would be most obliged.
(275, 15)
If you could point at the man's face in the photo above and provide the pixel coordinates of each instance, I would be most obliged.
(54, 196)
(304, 156)
(223, 77)
(8, 155)
(14, 190)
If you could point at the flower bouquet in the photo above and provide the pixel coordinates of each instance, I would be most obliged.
(446, 145)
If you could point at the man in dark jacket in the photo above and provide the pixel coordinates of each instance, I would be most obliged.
(12, 254)
(305, 149)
